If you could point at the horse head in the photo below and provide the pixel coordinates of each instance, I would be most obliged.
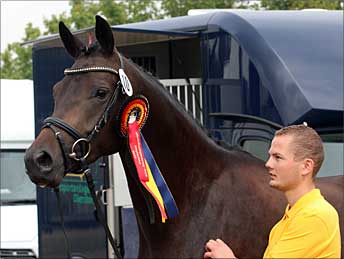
(86, 102)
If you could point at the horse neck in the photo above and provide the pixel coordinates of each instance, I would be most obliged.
(180, 147)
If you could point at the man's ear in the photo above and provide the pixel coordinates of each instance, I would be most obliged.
(307, 167)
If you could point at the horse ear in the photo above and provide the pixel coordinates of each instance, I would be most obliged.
(72, 44)
(104, 35)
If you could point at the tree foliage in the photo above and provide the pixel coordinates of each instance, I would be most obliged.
(174, 8)
(301, 4)
(16, 60)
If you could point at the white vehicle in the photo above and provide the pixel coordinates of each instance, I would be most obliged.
(19, 220)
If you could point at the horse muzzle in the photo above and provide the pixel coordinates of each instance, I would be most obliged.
(42, 168)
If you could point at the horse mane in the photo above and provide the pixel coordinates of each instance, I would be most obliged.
(151, 78)
(155, 81)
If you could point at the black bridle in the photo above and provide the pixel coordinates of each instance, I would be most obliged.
(84, 142)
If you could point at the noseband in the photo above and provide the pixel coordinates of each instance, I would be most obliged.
(83, 142)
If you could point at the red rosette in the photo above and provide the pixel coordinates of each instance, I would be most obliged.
(137, 106)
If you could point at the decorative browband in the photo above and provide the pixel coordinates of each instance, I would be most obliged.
(70, 71)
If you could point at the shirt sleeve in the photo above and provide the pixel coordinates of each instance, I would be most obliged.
(304, 237)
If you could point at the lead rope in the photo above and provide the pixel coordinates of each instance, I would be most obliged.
(99, 212)
(59, 205)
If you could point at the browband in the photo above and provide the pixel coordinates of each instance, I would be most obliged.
(69, 71)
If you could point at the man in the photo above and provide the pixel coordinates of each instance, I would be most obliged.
(310, 225)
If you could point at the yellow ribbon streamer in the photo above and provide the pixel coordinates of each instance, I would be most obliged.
(151, 186)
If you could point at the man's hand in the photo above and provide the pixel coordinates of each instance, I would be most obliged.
(217, 249)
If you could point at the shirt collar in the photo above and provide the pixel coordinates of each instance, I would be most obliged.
(302, 202)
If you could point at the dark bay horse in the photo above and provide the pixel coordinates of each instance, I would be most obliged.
(219, 193)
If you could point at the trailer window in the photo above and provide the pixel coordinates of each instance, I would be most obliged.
(258, 148)
(15, 184)
(334, 152)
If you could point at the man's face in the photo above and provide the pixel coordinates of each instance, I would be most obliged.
(283, 169)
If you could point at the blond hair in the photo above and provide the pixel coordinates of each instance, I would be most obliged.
(306, 144)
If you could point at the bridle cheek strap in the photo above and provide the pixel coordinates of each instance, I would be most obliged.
(106, 114)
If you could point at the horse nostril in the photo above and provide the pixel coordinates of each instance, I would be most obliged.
(43, 161)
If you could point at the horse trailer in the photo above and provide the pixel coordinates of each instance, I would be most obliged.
(241, 74)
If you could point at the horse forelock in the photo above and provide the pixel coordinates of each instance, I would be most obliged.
(93, 49)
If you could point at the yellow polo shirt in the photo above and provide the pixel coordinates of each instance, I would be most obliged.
(309, 229)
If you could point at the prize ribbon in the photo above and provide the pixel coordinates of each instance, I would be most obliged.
(149, 173)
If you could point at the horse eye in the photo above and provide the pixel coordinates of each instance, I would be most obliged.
(100, 93)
